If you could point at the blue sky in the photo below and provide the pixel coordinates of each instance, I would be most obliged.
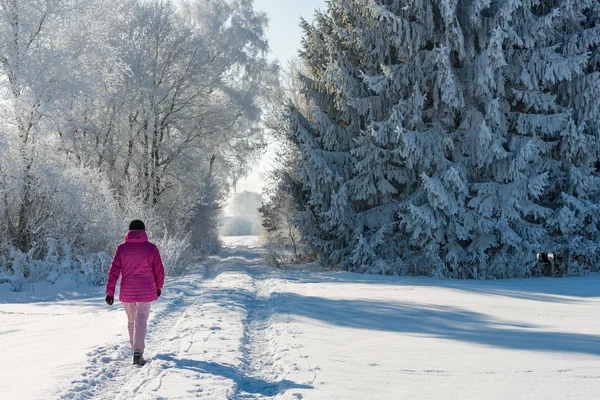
(284, 17)
(284, 36)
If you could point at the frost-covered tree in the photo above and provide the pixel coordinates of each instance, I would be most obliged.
(37, 46)
(27, 67)
(368, 85)
(152, 106)
(570, 40)
(184, 110)
(283, 190)
(326, 134)
(437, 139)
(189, 89)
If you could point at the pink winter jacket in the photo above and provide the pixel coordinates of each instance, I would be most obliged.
(138, 263)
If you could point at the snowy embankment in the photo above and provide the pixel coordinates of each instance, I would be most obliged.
(234, 329)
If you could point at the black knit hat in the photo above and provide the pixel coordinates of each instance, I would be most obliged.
(136, 224)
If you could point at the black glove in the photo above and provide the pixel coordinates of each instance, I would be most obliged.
(110, 299)
(158, 292)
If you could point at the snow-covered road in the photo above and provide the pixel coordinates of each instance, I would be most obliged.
(234, 328)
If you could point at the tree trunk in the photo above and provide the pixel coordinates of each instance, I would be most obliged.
(293, 242)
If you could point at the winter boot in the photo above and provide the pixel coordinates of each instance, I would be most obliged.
(138, 358)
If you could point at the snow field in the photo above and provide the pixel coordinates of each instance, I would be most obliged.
(235, 328)
(408, 338)
(43, 342)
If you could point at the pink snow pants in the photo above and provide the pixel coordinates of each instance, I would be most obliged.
(137, 323)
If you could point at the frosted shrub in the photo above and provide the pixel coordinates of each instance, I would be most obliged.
(276, 256)
(132, 206)
(72, 221)
(87, 268)
(93, 267)
(82, 211)
(174, 252)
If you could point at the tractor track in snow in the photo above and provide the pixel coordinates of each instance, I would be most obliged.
(264, 362)
(257, 365)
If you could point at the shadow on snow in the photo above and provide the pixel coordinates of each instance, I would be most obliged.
(557, 290)
(244, 383)
(436, 321)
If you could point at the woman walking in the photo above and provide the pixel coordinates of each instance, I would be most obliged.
(137, 262)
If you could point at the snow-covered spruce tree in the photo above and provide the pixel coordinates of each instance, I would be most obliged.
(326, 137)
(547, 73)
(370, 136)
(434, 133)
(475, 211)
(571, 40)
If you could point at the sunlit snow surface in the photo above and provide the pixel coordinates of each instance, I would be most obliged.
(234, 328)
